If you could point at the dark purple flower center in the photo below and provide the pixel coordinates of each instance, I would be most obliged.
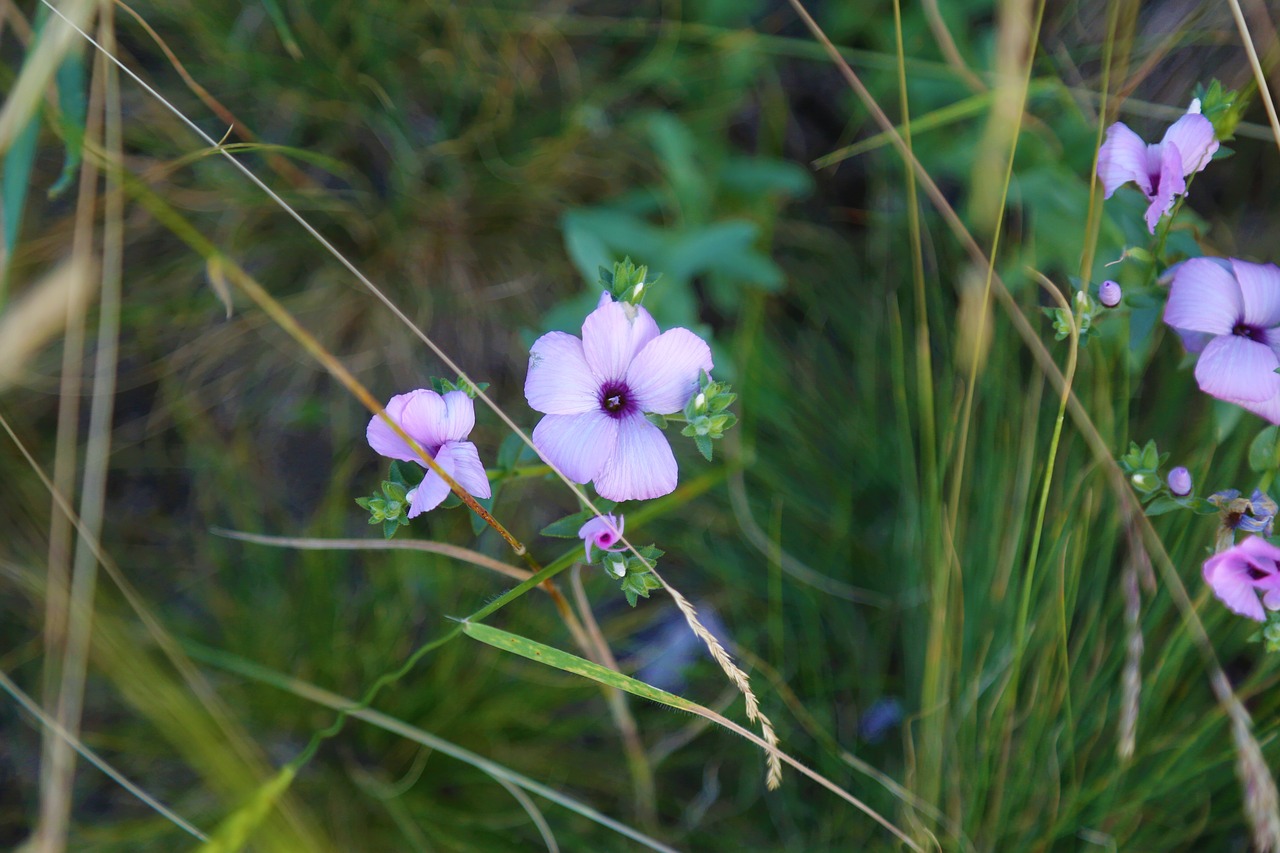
(1256, 573)
(616, 399)
(1253, 333)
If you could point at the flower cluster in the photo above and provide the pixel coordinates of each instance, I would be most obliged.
(606, 398)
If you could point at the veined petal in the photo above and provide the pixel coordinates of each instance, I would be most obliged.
(432, 491)
(1269, 408)
(1123, 158)
(1226, 575)
(460, 416)
(1193, 134)
(1238, 370)
(612, 335)
(424, 419)
(1260, 289)
(559, 381)
(1204, 297)
(579, 445)
(641, 466)
(664, 375)
(1172, 184)
(466, 467)
(383, 439)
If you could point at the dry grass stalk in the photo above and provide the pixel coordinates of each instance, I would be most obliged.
(39, 316)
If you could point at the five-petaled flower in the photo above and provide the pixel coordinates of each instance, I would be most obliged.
(596, 391)
(1241, 573)
(1229, 312)
(1160, 169)
(441, 425)
(604, 532)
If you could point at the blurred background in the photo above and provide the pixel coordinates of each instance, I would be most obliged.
(863, 545)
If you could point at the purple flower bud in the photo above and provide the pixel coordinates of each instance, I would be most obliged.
(1180, 481)
(1110, 294)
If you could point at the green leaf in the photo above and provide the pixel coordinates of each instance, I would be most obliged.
(1161, 505)
(1264, 451)
(478, 524)
(704, 445)
(573, 664)
(568, 527)
(235, 829)
(656, 419)
(71, 81)
(390, 526)
(408, 474)
(395, 491)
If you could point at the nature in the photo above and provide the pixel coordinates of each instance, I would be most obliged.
(694, 425)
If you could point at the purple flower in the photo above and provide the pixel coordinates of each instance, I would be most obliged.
(596, 391)
(1256, 514)
(1229, 312)
(1239, 574)
(604, 532)
(1160, 169)
(1110, 294)
(1180, 481)
(440, 425)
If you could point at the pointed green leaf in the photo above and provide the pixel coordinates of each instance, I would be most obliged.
(704, 445)
(568, 527)
(656, 419)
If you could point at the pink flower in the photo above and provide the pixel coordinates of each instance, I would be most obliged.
(596, 391)
(1159, 169)
(604, 532)
(1240, 573)
(440, 425)
(1229, 312)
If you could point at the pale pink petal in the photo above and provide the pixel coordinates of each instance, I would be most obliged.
(432, 491)
(1260, 288)
(1239, 370)
(1123, 158)
(1258, 550)
(559, 381)
(467, 469)
(1171, 185)
(664, 375)
(602, 532)
(642, 465)
(579, 445)
(1204, 297)
(1269, 408)
(1231, 585)
(613, 334)
(1193, 134)
(1271, 599)
(424, 419)
(460, 416)
(383, 438)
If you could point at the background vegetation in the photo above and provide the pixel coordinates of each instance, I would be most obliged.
(871, 544)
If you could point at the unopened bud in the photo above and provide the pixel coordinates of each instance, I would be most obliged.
(1144, 482)
(1180, 481)
(1110, 294)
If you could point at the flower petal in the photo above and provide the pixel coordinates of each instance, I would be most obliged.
(424, 418)
(1193, 134)
(1171, 184)
(664, 375)
(1260, 289)
(1204, 297)
(383, 438)
(559, 381)
(613, 334)
(466, 467)
(579, 445)
(1123, 158)
(642, 465)
(432, 491)
(1238, 370)
(460, 416)
(1226, 575)
(1269, 409)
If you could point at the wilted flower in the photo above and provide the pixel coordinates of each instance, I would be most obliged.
(441, 425)
(1242, 573)
(604, 532)
(1255, 514)
(1229, 312)
(1180, 481)
(1110, 294)
(1159, 169)
(595, 393)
